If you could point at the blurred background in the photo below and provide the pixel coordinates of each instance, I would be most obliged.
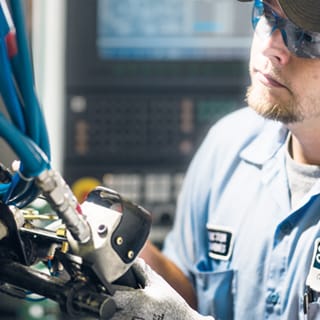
(129, 89)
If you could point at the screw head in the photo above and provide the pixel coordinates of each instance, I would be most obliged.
(102, 230)
(119, 241)
(130, 254)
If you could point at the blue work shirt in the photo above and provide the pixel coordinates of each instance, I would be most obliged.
(235, 236)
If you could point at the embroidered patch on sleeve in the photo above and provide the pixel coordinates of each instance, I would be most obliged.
(220, 242)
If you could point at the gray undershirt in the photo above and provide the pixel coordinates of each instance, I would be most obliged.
(301, 177)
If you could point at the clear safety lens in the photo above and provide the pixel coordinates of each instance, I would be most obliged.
(265, 21)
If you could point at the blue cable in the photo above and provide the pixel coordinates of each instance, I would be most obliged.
(4, 27)
(23, 71)
(22, 189)
(22, 193)
(27, 133)
(33, 147)
(8, 91)
(4, 187)
(33, 158)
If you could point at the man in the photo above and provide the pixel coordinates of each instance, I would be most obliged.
(245, 240)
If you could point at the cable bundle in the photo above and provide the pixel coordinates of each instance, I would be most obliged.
(25, 129)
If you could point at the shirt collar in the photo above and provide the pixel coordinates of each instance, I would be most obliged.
(266, 143)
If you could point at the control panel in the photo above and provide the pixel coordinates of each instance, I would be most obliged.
(139, 145)
(144, 83)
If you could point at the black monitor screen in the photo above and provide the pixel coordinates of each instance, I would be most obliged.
(172, 29)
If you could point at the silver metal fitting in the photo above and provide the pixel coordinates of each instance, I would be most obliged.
(61, 198)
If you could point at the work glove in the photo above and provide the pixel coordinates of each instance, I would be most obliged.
(157, 300)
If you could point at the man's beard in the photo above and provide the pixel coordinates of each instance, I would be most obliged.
(284, 111)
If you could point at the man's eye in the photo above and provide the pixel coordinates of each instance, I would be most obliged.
(311, 38)
(307, 37)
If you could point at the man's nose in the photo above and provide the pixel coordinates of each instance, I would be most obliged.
(275, 46)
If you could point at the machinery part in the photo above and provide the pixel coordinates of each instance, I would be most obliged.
(119, 230)
(74, 297)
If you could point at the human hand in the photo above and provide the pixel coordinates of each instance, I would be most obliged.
(156, 301)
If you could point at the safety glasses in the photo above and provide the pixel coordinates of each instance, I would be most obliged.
(265, 21)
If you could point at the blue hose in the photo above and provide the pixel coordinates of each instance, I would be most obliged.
(8, 90)
(24, 75)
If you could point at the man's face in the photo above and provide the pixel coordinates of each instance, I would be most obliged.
(283, 86)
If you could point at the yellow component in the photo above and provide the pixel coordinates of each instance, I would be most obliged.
(40, 217)
(64, 247)
(83, 186)
(61, 232)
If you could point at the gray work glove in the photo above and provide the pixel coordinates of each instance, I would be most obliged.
(156, 301)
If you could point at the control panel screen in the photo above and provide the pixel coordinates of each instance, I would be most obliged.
(173, 29)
